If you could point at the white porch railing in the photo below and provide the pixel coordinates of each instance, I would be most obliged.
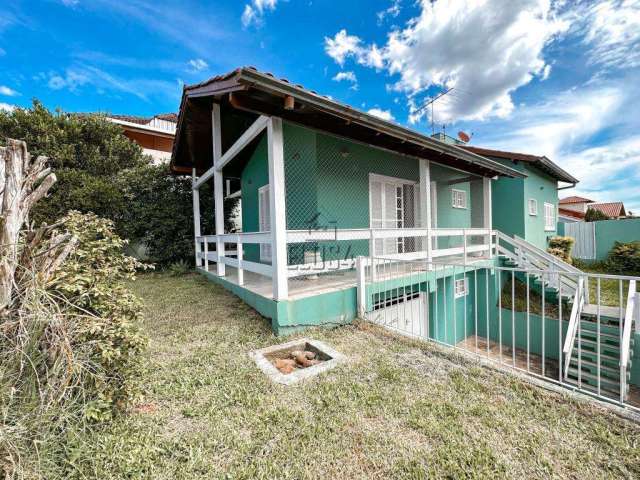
(469, 249)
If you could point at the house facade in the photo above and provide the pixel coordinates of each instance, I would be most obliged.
(322, 185)
(527, 206)
(155, 134)
(345, 215)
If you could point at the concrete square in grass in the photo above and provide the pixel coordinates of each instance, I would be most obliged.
(328, 357)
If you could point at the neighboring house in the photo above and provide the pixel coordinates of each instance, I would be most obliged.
(527, 207)
(155, 134)
(574, 209)
(345, 214)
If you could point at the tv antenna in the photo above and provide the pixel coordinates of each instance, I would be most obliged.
(431, 103)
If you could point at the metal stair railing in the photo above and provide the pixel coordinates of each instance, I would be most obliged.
(527, 255)
(629, 317)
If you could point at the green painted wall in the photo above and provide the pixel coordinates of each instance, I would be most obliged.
(507, 203)
(610, 231)
(254, 175)
(327, 186)
(543, 188)
(510, 208)
(447, 215)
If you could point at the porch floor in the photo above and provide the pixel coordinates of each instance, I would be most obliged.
(311, 285)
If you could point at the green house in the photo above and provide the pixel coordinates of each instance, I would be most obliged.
(338, 214)
(527, 206)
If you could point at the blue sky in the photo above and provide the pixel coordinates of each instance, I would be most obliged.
(557, 78)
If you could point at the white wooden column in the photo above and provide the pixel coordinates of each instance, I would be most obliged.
(196, 217)
(218, 187)
(425, 204)
(277, 209)
(486, 206)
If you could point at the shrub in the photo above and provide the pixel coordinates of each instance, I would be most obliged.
(179, 268)
(159, 213)
(561, 247)
(624, 258)
(109, 315)
(594, 215)
(70, 350)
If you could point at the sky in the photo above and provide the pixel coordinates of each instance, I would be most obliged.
(556, 78)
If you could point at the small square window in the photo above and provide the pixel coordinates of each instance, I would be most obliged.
(458, 198)
(460, 287)
(533, 206)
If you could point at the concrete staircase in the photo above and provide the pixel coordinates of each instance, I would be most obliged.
(591, 371)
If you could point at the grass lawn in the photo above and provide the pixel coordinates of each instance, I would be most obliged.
(397, 409)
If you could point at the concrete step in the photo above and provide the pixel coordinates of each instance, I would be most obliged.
(605, 390)
(586, 377)
(591, 366)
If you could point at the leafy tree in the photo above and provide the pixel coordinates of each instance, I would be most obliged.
(85, 151)
(594, 215)
(101, 171)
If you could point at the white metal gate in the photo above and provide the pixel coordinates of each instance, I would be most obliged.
(406, 313)
(584, 234)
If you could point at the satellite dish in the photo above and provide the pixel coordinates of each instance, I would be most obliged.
(463, 136)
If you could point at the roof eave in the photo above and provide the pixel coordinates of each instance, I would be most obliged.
(252, 78)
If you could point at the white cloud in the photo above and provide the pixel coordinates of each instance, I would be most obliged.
(349, 76)
(383, 114)
(198, 64)
(7, 107)
(70, 3)
(566, 128)
(74, 78)
(483, 51)
(546, 72)
(8, 92)
(612, 29)
(253, 12)
(393, 11)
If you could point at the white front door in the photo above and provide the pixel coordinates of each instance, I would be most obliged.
(264, 221)
(392, 205)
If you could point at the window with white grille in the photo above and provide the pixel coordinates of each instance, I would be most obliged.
(533, 206)
(458, 198)
(549, 216)
(264, 221)
(460, 287)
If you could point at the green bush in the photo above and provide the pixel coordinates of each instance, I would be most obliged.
(70, 351)
(92, 282)
(561, 247)
(624, 258)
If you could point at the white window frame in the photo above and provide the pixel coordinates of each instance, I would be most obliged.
(459, 198)
(549, 217)
(533, 203)
(265, 248)
(460, 287)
